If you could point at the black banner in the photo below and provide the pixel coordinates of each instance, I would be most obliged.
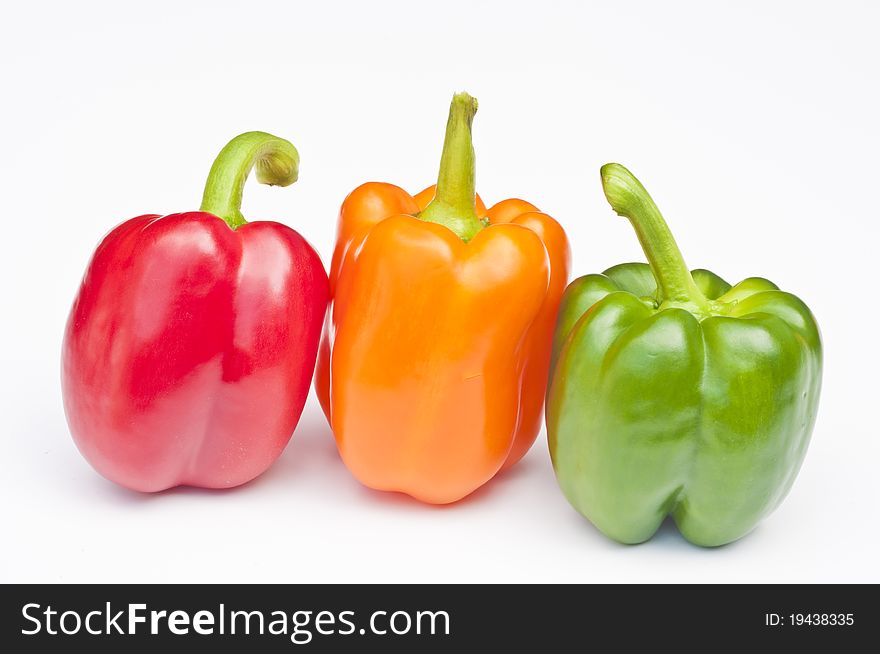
(278, 618)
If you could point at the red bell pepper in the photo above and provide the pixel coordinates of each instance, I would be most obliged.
(191, 344)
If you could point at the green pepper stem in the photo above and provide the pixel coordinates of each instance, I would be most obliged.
(454, 203)
(277, 163)
(628, 198)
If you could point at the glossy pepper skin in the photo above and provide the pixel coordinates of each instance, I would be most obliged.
(434, 364)
(673, 393)
(191, 344)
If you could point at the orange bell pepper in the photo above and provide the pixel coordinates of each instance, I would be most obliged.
(433, 366)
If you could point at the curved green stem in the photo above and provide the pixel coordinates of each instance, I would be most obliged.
(629, 198)
(454, 203)
(277, 163)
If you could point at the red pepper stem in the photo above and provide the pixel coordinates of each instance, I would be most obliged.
(454, 203)
(628, 198)
(277, 163)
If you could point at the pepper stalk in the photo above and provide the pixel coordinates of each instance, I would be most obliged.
(454, 203)
(675, 284)
(277, 163)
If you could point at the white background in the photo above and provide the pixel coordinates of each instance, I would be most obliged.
(753, 124)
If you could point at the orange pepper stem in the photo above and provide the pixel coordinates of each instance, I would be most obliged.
(454, 203)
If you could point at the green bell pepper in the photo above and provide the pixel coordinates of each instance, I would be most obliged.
(674, 393)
